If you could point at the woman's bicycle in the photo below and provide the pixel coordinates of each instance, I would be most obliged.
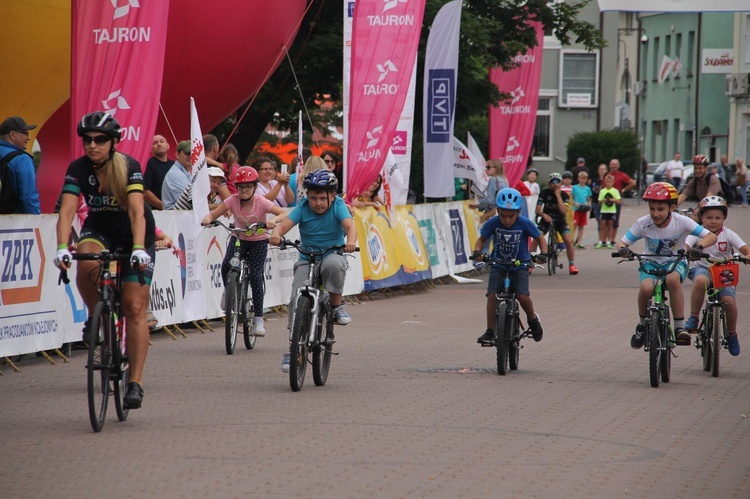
(312, 324)
(658, 338)
(107, 366)
(238, 303)
(712, 331)
(508, 329)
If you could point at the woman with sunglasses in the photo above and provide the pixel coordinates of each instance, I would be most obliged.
(120, 220)
(248, 209)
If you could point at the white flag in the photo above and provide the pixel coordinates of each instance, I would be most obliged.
(440, 79)
(474, 148)
(665, 69)
(466, 165)
(300, 162)
(394, 186)
(676, 67)
(201, 186)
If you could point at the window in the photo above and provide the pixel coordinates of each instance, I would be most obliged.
(543, 129)
(677, 49)
(690, 53)
(550, 41)
(657, 60)
(747, 39)
(579, 79)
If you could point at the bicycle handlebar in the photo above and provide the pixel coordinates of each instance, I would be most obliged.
(105, 256)
(485, 257)
(237, 230)
(674, 258)
(298, 246)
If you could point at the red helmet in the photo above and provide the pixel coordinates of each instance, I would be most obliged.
(661, 191)
(245, 174)
(700, 159)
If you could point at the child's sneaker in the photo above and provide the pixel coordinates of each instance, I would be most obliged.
(536, 328)
(259, 330)
(636, 341)
(573, 270)
(580, 247)
(610, 245)
(691, 324)
(734, 344)
(598, 245)
(340, 316)
(487, 337)
(285, 363)
(682, 337)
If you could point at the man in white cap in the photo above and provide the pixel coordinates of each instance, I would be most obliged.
(219, 191)
(20, 172)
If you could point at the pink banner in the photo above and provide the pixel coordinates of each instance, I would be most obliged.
(385, 39)
(117, 67)
(512, 124)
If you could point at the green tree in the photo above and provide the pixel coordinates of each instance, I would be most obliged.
(492, 33)
(601, 147)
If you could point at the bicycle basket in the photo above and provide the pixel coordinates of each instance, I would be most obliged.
(725, 275)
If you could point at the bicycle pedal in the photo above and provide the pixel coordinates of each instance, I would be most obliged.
(487, 343)
(683, 343)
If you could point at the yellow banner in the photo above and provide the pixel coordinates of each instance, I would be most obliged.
(409, 244)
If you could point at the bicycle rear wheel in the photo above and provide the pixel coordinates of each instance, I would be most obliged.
(232, 311)
(654, 351)
(323, 350)
(98, 366)
(298, 347)
(247, 324)
(716, 328)
(121, 376)
(551, 251)
(666, 357)
(501, 340)
(705, 334)
(514, 348)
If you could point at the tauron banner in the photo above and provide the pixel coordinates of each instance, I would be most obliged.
(512, 123)
(117, 67)
(385, 39)
(440, 79)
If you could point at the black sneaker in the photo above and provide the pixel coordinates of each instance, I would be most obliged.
(134, 396)
(487, 337)
(536, 328)
(682, 336)
(636, 341)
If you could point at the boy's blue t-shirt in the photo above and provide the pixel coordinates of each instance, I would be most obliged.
(581, 194)
(510, 243)
(320, 231)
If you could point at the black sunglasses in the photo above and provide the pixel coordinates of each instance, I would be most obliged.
(99, 140)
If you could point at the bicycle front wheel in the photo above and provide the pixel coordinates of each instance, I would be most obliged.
(551, 251)
(247, 332)
(501, 339)
(514, 347)
(98, 366)
(323, 350)
(121, 376)
(232, 311)
(298, 348)
(654, 351)
(716, 328)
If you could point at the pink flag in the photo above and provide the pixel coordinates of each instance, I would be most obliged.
(117, 67)
(385, 39)
(512, 124)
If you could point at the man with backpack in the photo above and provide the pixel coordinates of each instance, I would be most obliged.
(703, 184)
(18, 192)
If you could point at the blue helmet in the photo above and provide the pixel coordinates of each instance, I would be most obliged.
(509, 199)
(321, 179)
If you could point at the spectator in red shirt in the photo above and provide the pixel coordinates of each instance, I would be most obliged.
(623, 183)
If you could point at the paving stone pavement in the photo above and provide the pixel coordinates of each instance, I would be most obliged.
(413, 408)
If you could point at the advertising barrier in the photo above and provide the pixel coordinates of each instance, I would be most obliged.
(411, 244)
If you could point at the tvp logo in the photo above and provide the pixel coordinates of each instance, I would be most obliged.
(440, 105)
(457, 234)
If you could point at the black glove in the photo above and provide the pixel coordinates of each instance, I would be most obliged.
(539, 257)
(624, 252)
(696, 252)
(477, 256)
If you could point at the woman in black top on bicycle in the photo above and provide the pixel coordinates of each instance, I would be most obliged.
(118, 219)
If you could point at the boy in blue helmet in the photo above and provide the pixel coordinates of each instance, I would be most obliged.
(324, 221)
(510, 233)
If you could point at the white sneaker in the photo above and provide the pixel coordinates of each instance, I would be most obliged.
(259, 330)
(340, 316)
(285, 363)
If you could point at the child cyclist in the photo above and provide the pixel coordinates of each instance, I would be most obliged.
(663, 229)
(713, 213)
(510, 233)
(324, 221)
(248, 209)
(553, 203)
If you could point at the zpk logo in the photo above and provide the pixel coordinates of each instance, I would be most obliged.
(23, 260)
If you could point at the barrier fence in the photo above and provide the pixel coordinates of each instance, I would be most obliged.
(412, 244)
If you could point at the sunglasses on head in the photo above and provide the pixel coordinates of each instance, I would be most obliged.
(99, 140)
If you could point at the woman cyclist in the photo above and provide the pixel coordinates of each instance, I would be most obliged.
(119, 220)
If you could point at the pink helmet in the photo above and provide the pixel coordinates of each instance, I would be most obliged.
(245, 174)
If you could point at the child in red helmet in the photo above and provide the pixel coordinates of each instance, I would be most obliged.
(247, 209)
